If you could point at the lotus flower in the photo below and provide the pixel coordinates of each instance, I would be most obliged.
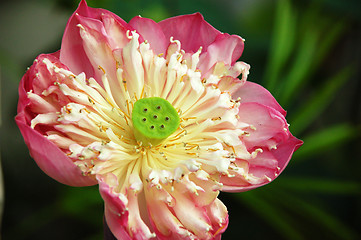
(155, 114)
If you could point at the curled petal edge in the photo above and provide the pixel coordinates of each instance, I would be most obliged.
(283, 154)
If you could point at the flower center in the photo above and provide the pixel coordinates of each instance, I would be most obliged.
(154, 119)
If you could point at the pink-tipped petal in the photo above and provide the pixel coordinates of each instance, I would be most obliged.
(226, 48)
(191, 30)
(72, 51)
(116, 213)
(50, 158)
(98, 51)
(151, 32)
(268, 140)
(253, 92)
(218, 215)
(123, 212)
(281, 156)
(268, 127)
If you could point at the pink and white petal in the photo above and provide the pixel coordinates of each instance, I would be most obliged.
(253, 92)
(123, 211)
(209, 190)
(116, 212)
(116, 31)
(267, 126)
(151, 32)
(193, 218)
(263, 169)
(191, 30)
(229, 84)
(99, 53)
(226, 48)
(72, 52)
(284, 151)
(218, 215)
(50, 158)
(163, 220)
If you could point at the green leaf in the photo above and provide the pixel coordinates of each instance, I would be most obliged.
(316, 214)
(328, 41)
(315, 105)
(300, 67)
(322, 186)
(282, 42)
(325, 139)
(274, 216)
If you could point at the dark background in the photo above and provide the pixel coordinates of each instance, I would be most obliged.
(307, 53)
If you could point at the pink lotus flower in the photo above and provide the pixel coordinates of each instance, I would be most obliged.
(155, 114)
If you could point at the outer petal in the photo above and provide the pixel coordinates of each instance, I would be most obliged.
(72, 52)
(46, 154)
(116, 213)
(226, 48)
(253, 92)
(123, 211)
(191, 30)
(50, 158)
(151, 32)
(270, 143)
(267, 126)
(179, 213)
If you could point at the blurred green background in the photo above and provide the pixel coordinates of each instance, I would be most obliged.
(307, 53)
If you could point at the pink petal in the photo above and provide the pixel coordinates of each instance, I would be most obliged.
(179, 216)
(218, 215)
(282, 155)
(47, 155)
(253, 92)
(124, 213)
(267, 126)
(97, 50)
(226, 48)
(191, 30)
(151, 32)
(116, 213)
(268, 132)
(50, 158)
(72, 52)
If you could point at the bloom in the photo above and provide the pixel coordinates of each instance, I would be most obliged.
(155, 114)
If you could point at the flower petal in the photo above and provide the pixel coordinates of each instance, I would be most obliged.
(151, 32)
(269, 142)
(72, 52)
(226, 48)
(253, 92)
(191, 30)
(50, 158)
(116, 213)
(123, 211)
(268, 127)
